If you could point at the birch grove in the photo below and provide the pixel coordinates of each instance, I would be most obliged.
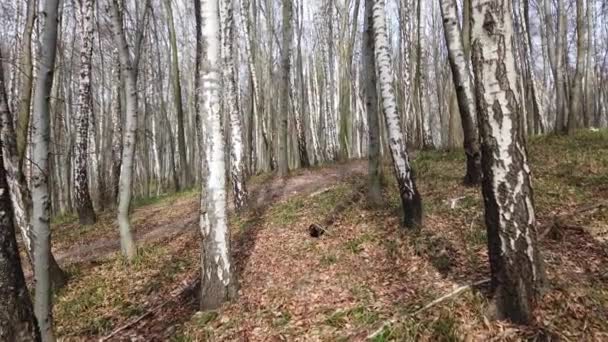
(109, 105)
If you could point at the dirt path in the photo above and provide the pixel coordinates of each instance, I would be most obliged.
(158, 223)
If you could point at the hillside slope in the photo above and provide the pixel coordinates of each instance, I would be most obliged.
(364, 275)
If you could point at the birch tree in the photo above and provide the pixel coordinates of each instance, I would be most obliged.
(19, 191)
(17, 321)
(560, 70)
(40, 158)
(237, 151)
(287, 16)
(84, 206)
(371, 107)
(130, 133)
(464, 90)
(177, 97)
(217, 284)
(27, 76)
(515, 261)
(410, 198)
(582, 47)
(536, 117)
(116, 119)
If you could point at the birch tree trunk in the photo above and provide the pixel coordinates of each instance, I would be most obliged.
(576, 100)
(84, 206)
(464, 90)
(374, 194)
(177, 99)
(27, 76)
(515, 261)
(130, 134)
(40, 158)
(20, 193)
(255, 141)
(198, 65)
(410, 198)
(17, 321)
(116, 128)
(217, 283)
(301, 115)
(237, 151)
(287, 15)
(560, 70)
(537, 105)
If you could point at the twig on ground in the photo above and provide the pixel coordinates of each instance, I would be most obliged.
(320, 192)
(452, 294)
(454, 201)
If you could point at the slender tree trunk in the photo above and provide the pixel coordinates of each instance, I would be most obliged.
(374, 194)
(537, 105)
(576, 101)
(198, 65)
(410, 198)
(40, 158)
(218, 284)
(464, 90)
(287, 15)
(129, 139)
(237, 152)
(517, 272)
(301, 115)
(20, 194)
(560, 70)
(27, 76)
(84, 206)
(116, 128)
(17, 321)
(177, 99)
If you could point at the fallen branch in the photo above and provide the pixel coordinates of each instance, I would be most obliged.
(450, 295)
(174, 295)
(447, 296)
(320, 192)
(454, 201)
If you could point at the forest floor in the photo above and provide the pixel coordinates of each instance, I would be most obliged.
(365, 275)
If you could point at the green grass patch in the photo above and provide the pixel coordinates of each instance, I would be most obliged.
(288, 212)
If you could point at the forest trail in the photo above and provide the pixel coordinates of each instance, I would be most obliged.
(364, 272)
(162, 222)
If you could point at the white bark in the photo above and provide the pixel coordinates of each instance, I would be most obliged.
(40, 158)
(464, 90)
(237, 150)
(410, 198)
(217, 279)
(84, 205)
(514, 258)
(130, 134)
